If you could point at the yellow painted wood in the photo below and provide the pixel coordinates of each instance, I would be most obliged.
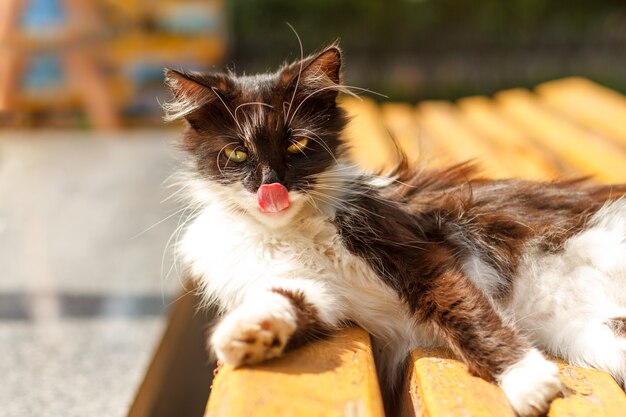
(435, 154)
(398, 117)
(371, 145)
(404, 123)
(589, 104)
(527, 158)
(439, 386)
(581, 149)
(440, 119)
(590, 393)
(330, 378)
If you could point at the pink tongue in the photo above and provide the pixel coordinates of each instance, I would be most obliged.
(272, 198)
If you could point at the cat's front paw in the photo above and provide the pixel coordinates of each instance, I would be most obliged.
(531, 384)
(255, 331)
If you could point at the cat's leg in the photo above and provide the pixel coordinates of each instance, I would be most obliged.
(570, 303)
(491, 349)
(591, 342)
(281, 314)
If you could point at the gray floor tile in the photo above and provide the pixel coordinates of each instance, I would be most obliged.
(82, 292)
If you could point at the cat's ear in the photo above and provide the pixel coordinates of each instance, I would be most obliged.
(324, 68)
(321, 70)
(191, 91)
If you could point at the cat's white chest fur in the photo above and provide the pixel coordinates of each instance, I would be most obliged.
(231, 258)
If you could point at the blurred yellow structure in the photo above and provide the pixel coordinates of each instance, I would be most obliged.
(104, 57)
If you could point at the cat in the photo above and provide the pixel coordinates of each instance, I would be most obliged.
(291, 241)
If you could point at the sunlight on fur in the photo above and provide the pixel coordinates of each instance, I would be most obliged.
(496, 270)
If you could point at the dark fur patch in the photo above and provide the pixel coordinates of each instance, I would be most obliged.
(417, 232)
(309, 325)
(618, 325)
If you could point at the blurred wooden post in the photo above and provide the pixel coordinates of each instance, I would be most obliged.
(80, 63)
(85, 76)
(9, 59)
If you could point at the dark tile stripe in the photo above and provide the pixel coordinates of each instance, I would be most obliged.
(19, 305)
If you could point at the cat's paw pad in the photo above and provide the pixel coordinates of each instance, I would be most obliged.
(531, 384)
(250, 335)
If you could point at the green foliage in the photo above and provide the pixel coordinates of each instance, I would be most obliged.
(375, 32)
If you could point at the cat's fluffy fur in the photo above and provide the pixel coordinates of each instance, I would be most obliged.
(494, 269)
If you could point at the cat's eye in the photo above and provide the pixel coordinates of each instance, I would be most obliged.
(236, 154)
(298, 145)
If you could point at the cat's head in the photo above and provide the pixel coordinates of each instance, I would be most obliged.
(260, 143)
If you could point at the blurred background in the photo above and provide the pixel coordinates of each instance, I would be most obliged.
(86, 217)
(63, 60)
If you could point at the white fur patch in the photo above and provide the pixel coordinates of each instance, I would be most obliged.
(236, 255)
(531, 384)
(483, 276)
(565, 301)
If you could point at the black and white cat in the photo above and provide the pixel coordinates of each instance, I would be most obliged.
(291, 241)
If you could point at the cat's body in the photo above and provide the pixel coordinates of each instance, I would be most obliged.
(491, 268)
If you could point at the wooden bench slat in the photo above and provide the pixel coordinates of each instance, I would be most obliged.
(529, 160)
(439, 386)
(589, 104)
(367, 136)
(435, 154)
(333, 377)
(579, 148)
(421, 147)
(398, 117)
(590, 393)
(440, 119)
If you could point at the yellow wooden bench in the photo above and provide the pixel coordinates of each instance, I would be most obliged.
(568, 127)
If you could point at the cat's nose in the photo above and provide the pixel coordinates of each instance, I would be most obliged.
(270, 176)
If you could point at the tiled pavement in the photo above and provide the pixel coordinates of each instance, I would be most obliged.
(82, 292)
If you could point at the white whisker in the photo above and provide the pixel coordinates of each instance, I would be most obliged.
(299, 72)
(227, 108)
(258, 103)
(156, 224)
(339, 87)
(318, 140)
(217, 158)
